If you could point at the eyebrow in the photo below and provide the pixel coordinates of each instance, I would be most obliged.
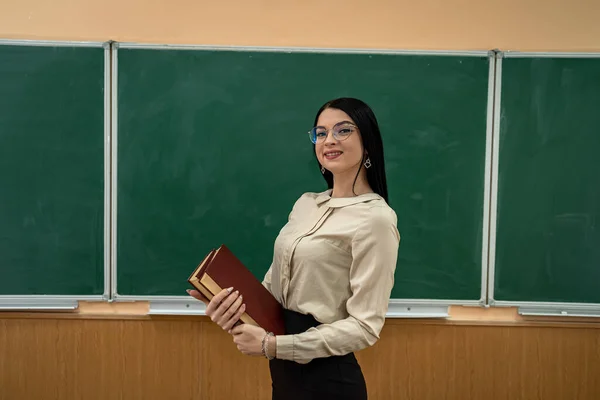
(338, 123)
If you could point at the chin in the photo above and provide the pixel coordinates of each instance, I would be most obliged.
(335, 169)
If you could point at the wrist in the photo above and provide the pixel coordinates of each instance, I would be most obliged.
(268, 345)
(272, 349)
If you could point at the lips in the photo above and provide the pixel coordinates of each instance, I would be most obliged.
(331, 155)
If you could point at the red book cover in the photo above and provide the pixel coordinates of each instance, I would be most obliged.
(220, 270)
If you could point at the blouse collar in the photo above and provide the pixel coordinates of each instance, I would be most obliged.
(336, 202)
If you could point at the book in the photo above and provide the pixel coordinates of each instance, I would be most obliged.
(221, 269)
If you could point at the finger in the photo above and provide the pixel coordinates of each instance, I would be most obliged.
(218, 315)
(235, 319)
(214, 303)
(232, 315)
(222, 313)
(229, 317)
(238, 330)
(198, 296)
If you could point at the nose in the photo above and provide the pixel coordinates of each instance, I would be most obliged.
(329, 139)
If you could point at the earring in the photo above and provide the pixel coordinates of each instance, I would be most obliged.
(368, 163)
(323, 170)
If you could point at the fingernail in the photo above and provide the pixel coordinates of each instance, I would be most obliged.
(230, 289)
(188, 291)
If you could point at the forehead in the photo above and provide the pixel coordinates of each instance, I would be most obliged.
(331, 116)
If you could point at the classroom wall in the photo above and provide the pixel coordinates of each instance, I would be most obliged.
(191, 358)
(424, 24)
(105, 352)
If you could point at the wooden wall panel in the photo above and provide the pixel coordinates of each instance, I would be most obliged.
(228, 374)
(484, 362)
(187, 358)
(99, 359)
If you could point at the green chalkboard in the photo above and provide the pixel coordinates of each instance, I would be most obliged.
(51, 170)
(212, 148)
(548, 218)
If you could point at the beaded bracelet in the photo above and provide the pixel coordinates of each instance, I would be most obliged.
(265, 345)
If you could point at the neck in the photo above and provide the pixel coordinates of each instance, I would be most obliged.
(344, 185)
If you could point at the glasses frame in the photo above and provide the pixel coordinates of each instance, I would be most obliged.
(332, 130)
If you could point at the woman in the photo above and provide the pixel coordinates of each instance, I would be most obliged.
(333, 266)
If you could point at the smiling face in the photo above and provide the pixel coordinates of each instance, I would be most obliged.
(344, 153)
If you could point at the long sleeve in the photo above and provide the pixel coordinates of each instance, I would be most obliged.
(374, 255)
(267, 279)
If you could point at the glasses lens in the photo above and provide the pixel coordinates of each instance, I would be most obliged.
(317, 134)
(341, 132)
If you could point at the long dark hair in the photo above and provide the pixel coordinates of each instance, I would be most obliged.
(365, 120)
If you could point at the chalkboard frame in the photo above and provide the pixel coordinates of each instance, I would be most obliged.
(526, 308)
(70, 302)
(412, 308)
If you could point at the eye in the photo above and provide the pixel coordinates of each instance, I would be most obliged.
(345, 131)
(321, 133)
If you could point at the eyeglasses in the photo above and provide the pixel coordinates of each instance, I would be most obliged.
(340, 132)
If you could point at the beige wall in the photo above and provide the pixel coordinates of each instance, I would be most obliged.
(551, 25)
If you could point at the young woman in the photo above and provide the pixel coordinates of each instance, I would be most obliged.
(333, 266)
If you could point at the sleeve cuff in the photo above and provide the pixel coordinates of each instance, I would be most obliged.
(285, 347)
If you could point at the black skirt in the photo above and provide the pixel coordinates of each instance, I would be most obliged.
(336, 377)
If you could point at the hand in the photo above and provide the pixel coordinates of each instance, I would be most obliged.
(225, 308)
(248, 339)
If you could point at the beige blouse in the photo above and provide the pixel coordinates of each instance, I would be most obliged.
(335, 259)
